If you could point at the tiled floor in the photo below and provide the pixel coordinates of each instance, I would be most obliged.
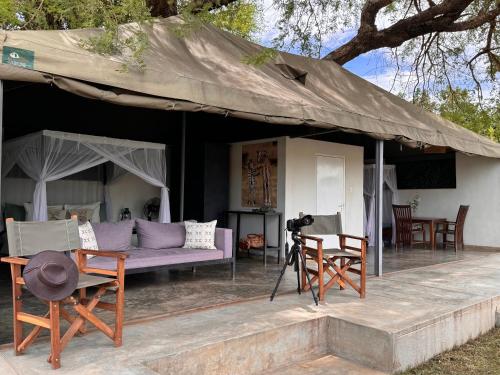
(166, 293)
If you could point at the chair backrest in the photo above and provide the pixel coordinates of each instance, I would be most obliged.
(462, 213)
(323, 225)
(27, 238)
(402, 212)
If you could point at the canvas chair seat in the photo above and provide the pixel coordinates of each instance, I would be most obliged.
(329, 253)
(87, 281)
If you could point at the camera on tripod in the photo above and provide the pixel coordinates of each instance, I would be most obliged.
(294, 257)
(294, 225)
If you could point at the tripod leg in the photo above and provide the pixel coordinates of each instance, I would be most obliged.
(285, 265)
(302, 260)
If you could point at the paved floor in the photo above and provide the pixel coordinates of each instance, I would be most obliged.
(165, 293)
(394, 302)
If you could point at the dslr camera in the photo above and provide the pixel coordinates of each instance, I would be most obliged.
(294, 225)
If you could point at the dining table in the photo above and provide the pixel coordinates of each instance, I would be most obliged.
(432, 223)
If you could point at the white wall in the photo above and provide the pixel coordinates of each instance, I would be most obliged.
(127, 191)
(301, 179)
(478, 185)
(297, 183)
(132, 192)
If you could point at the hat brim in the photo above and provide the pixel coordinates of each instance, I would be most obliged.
(43, 291)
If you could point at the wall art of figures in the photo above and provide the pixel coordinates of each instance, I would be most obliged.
(259, 175)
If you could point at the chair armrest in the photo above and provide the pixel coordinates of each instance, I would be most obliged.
(15, 260)
(312, 238)
(353, 237)
(103, 253)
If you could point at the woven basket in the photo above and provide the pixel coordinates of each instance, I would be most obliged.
(252, 241)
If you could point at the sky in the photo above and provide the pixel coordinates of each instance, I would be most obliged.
(373, 66)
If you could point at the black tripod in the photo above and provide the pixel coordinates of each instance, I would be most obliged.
(292, 258)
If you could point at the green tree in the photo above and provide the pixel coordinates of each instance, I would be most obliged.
(461, 107)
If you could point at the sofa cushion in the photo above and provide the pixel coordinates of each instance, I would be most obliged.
(152, 235)
(114, 236)
(145, 258)
(200, 235)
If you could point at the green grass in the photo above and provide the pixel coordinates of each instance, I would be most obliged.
(477, 357)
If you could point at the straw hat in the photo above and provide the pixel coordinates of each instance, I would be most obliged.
(51, 275)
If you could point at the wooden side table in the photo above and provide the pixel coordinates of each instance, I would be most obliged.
(265, 216)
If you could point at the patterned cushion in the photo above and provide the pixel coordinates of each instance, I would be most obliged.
(200, 235)
(56, 213)
(87, 238)
(84, 214)
(95, 207)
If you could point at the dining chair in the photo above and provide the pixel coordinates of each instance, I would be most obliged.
(406, 229)
(336, 263)
(455, 229)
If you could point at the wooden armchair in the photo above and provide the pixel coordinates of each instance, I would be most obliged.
(406, 229)
(30, 238)
(348, 256)
(455, 229)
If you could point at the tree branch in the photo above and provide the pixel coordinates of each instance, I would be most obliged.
(440, 17)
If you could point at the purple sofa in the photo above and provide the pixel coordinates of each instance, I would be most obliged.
(159, 246)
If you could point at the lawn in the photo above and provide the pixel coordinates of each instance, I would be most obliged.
(479, 356)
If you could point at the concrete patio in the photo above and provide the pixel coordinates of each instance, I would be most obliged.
(407, 318)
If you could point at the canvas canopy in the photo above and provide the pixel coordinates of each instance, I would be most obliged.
(50, 155)
(205, 71)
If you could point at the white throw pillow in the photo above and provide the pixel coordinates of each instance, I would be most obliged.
(96, 218)
(28, 207)
(200, 235)
(87, 238)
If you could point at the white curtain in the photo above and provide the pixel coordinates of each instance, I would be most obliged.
(390, 197)
(49, 156)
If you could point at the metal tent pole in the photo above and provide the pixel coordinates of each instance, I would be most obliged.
(379, 191)
(1, 140)
(183, 167)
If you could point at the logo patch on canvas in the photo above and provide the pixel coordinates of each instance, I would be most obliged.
(22, 58)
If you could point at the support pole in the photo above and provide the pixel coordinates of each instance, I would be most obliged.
(183, 167)
(1, 143)
(379, 191)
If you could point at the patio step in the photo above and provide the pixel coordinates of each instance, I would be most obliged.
(326, 365)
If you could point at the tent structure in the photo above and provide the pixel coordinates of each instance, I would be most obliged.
(50, 155)
(390, 197)
(205, 71)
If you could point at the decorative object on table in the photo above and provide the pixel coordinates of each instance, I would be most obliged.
(152, 209)
(414, 202)
(51, 275)
(259, 174)
(125, 214)
(264, 209)
(200, 235)
(252, 241)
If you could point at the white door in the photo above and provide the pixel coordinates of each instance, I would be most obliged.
(330, 190)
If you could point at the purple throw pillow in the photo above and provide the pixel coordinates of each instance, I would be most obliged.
(152, 235)
(114, 236)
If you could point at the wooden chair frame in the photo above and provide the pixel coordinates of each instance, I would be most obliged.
(82, 305)
(453, 228)
(406, 229)
(338, 272)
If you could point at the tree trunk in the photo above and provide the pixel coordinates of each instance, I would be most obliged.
(162, 8)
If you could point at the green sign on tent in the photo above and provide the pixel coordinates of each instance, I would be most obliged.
(22, 58)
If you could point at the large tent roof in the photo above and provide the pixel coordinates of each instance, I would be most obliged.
(205, 71)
